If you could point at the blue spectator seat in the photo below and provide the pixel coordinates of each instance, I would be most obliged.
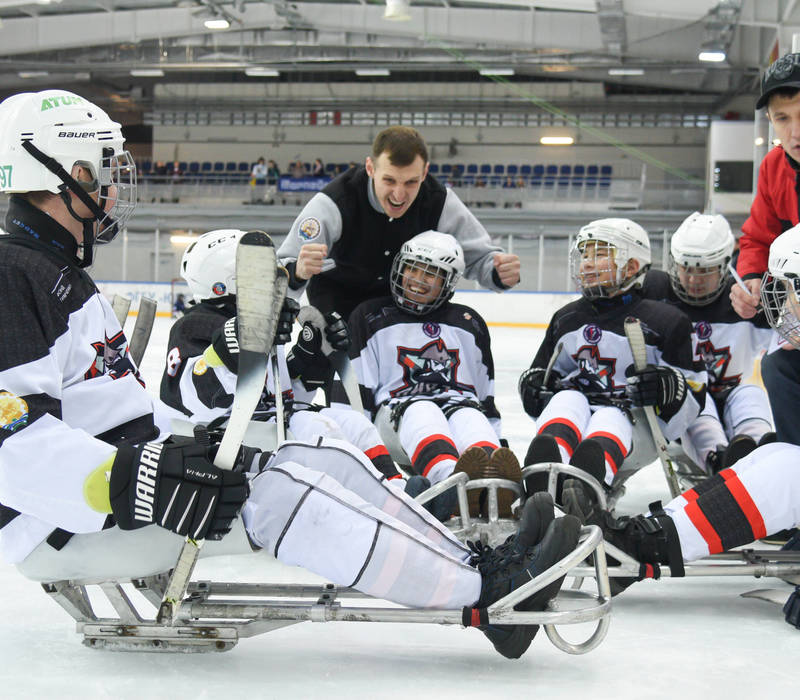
(230, 171)
(578, 173)
(206, 168)
(525, 172)
(244, 171)
(329, 168)
(485, 169)
(564, 173)
(183, 166)
(550, 173)
(147, 167)
(433, 168)
(605, 175)
(218, 174)
(194, 170)
(537, 174)
(592, 172)
(472, 169)
(512, 170)
(447, 168)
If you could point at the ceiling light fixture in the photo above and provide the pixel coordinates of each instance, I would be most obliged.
(182, 239)
(626, 71)
(373, 72)
(217, 23)
(556, 140)
(711, 55)
(33, 74)
(257, 72)
(147, 73)
(496, 71)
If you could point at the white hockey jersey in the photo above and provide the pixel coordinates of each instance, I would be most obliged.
(444, 355)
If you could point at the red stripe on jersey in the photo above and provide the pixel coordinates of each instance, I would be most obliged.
(708, 533)
(376, 451)
(434, 462)
(746, 503)
(562, 421)
(427, 441)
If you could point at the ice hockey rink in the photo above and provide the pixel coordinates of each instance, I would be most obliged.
(683, 638)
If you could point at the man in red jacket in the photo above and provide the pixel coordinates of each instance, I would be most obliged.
(774, 210)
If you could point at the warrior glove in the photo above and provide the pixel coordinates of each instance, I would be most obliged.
(175, 485)
(336, 331)
(659, 386)
(307, 361)
(286, 319)
(533, 391)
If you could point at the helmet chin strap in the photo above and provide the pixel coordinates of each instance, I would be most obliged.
(70, 184)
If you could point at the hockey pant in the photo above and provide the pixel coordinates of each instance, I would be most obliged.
(569, 418)
(433, 441)
(758, 496)
(343, 423)
(323, 507)
(745, 412)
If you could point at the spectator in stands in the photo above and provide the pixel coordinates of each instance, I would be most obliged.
(258, 178)
(318, 168)
(273, 172)
(363, 217)
(160, 171)
(297, 170)
(175, 172)
(457, 176)
(179, 306)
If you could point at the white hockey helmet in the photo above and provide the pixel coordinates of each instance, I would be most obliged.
(209, 264)
(780, 287)
(427, 252)
(44, 134)
(616, 243)
(700, 251)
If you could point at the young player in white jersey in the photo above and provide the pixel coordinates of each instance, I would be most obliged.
(758, 496)
(580, 406)
(736, 417)
(425, 363)
(199, 380)
(90, 490)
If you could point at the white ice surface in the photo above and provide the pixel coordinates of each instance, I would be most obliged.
(678, 639)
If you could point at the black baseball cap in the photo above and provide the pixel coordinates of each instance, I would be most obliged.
(784, 73)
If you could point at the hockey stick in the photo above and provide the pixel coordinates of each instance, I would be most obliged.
(142, 329)
(770, 595)
(281, 285)
(552, 362)
(338, 358)
(633, 331)
(256, 273)
(121, 305)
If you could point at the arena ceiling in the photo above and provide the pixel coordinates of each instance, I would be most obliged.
(93, 46)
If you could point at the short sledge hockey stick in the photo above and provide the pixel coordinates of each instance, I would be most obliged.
(281, 285)
(256, 271)
(140, 336)
(633, 331)
(121, 305)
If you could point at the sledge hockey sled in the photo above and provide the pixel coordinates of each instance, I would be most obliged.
(214, 616)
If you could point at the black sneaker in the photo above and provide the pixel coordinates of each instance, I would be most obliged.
(740, 446)
(540, 542)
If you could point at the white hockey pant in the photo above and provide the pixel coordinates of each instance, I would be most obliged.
(433, 442)
(760, 493)
(335, 422)
(328, 510)
(569, 418)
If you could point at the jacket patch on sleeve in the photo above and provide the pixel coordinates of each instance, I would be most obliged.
(309, 229)
(13, 411)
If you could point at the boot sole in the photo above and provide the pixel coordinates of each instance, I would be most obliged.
(503, 464)
(474, 462)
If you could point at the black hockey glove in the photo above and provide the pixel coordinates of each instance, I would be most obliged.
(336, 331)
(249, 459)
(306, 360)
(225, 342)
(659, 386)
(534, 393)
(286, 319)
(792, 608)
(175, 485)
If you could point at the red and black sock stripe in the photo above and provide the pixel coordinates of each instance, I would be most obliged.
(704, 486)
(432, 450)
(379, 456)
(727, 516)
(613, 448)
(565, 433)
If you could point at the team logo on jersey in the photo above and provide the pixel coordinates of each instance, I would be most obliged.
(703, 330)
(309, 229)
(592, 333)
(595, 373)
(716, 361)
(431, 329)
(428, 369)
(111, 358)
(13, 411)
(218, 288)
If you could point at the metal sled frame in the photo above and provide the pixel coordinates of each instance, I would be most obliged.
(742, 562)
(214, 616)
